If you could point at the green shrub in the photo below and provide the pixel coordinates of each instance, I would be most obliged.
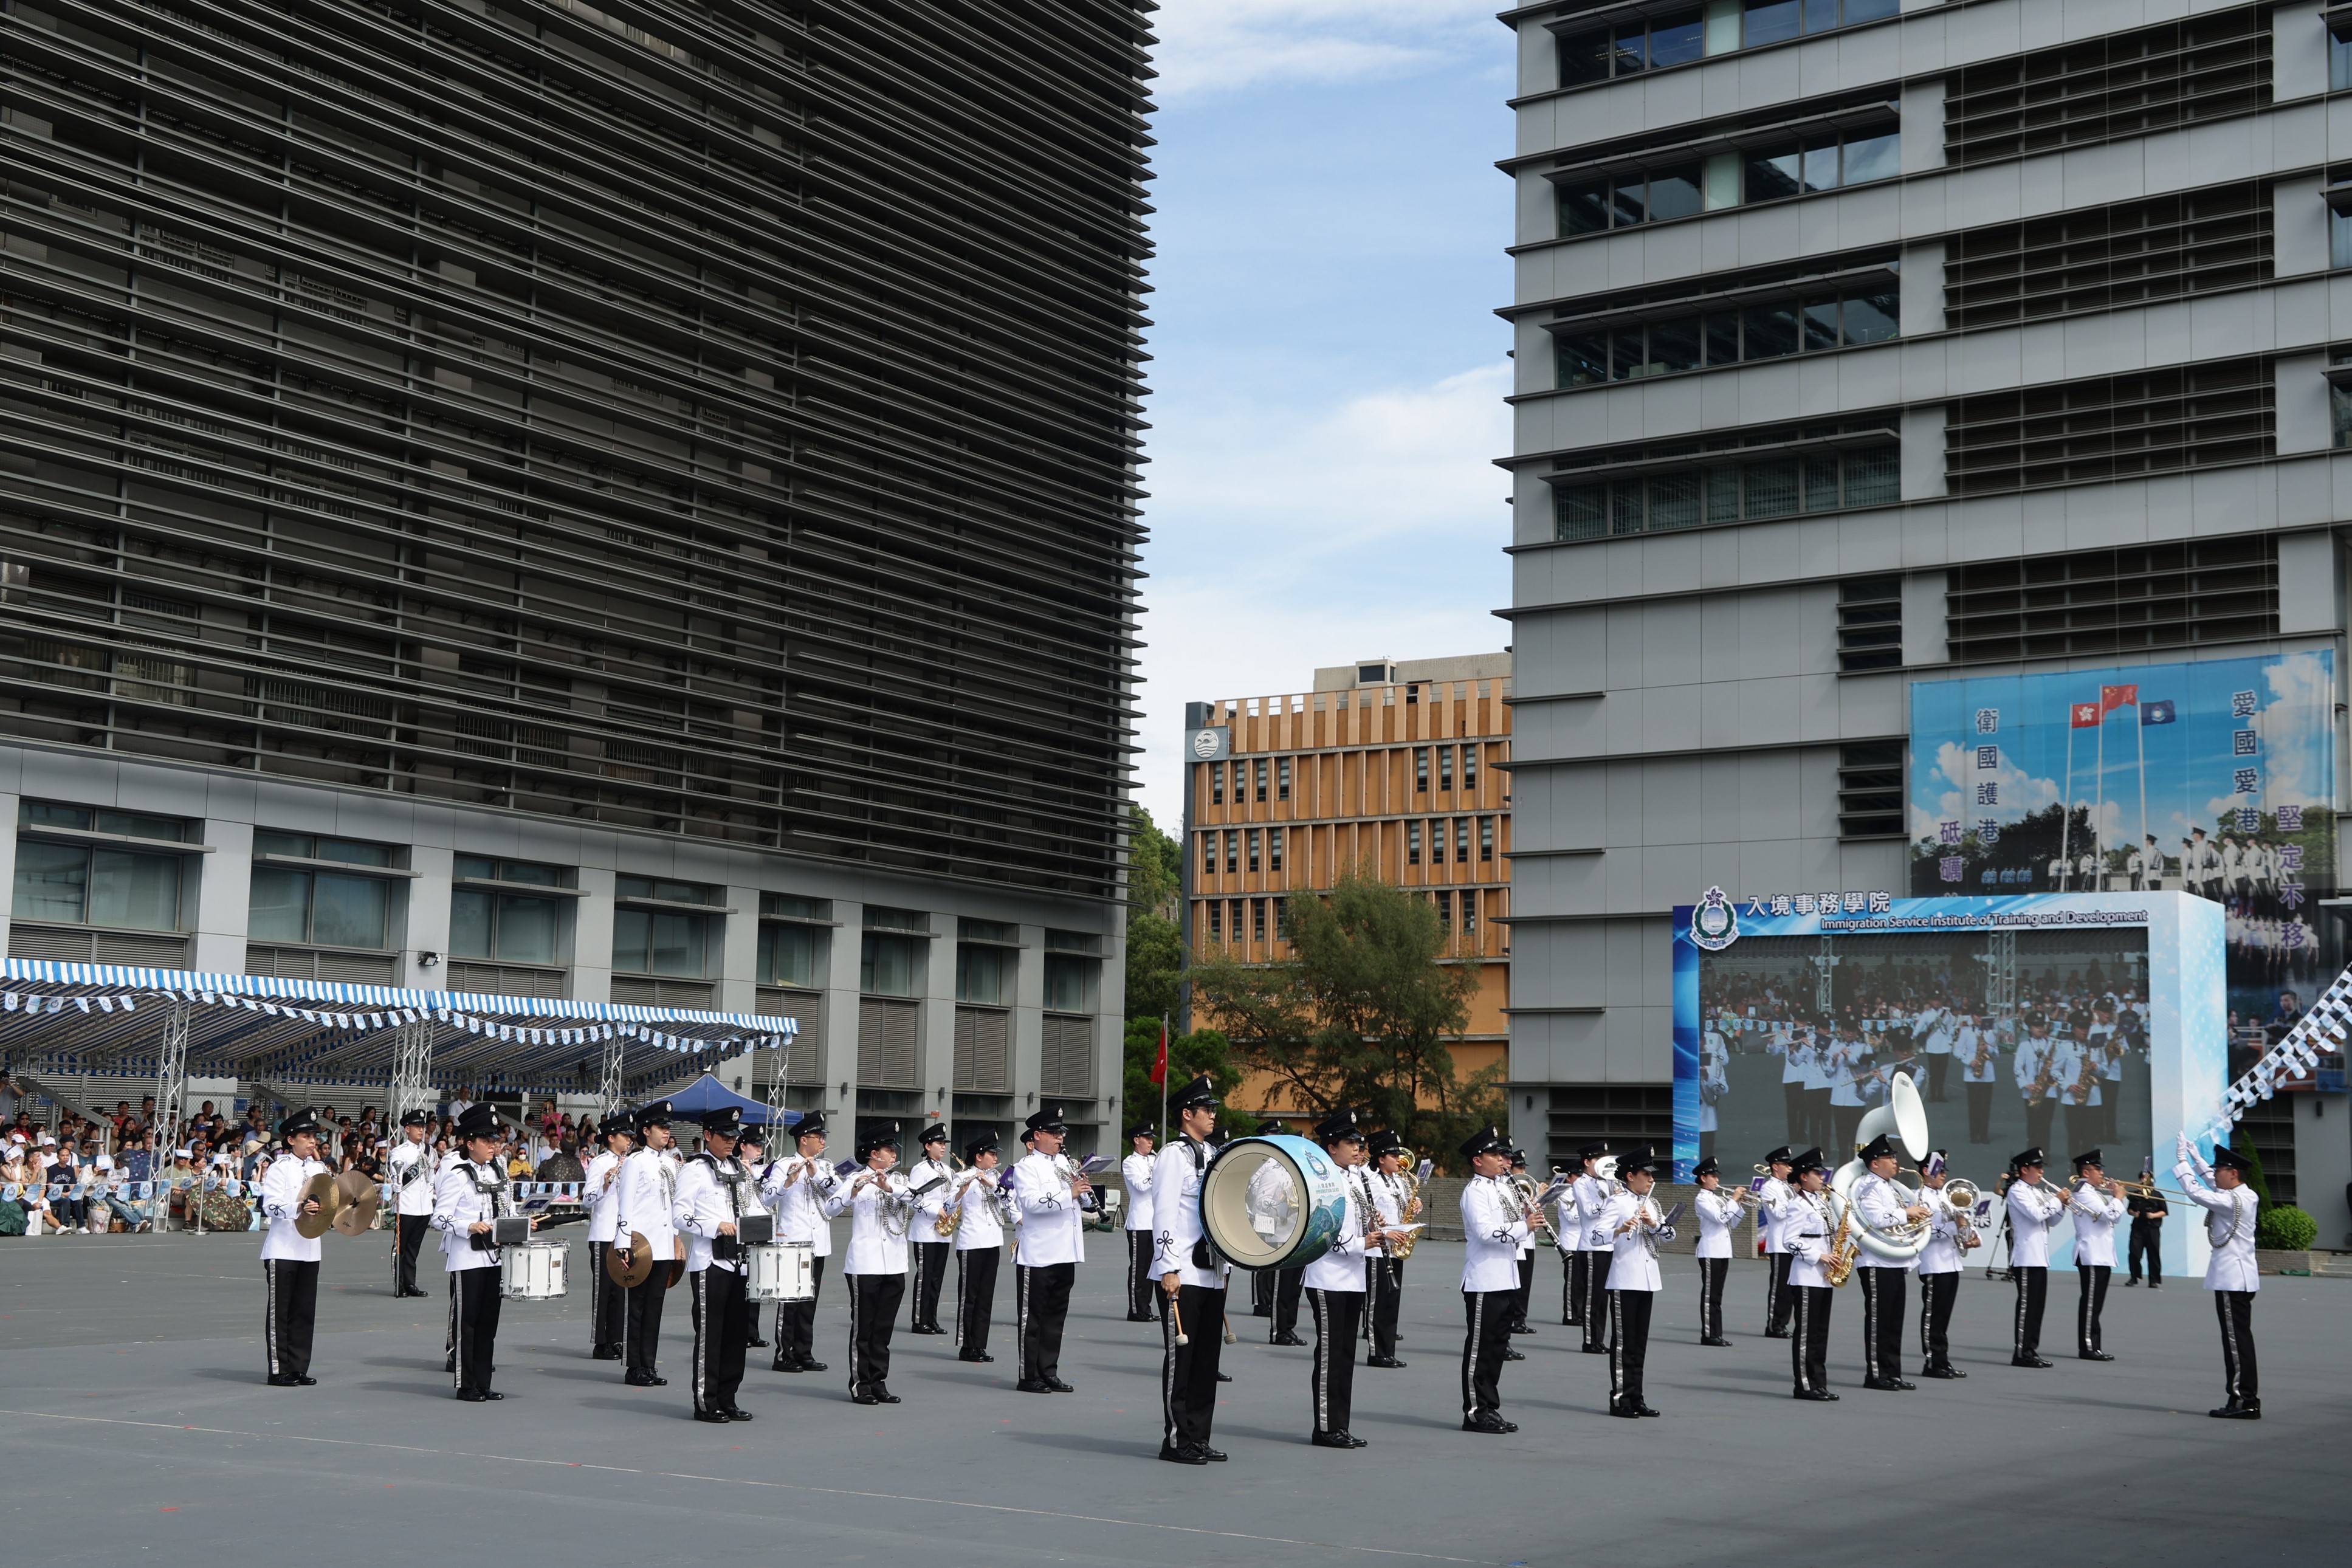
(2286, 1229)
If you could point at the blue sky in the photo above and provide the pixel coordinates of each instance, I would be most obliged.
(1329, 372)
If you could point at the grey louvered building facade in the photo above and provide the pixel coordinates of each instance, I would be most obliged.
(679, 457)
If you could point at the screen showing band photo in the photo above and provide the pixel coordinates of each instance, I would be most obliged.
(2067, 1022)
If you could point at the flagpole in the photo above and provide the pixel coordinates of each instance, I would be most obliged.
(2066, 805)
(2140, 715)
(2099, 787)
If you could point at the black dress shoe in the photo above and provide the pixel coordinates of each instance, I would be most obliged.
(2239, 1410)
(1627, 1411)
(1330, 1439)
(1647, 1410)
(1387, 1363)
(1187, 1455)
(1287, 1339)
(645, 1380)
(304, 1380)
(1494, 1424)
(1142, 1318)
(1776, 1333)
(2132, 1283)
(285, 1382)
(931, 1329)
(2155, 1284)
(605, 1353)
(1818, 1395)
(973, 1355)
(1522, 1328)
(470, 1397)
(2034, 1360)
(863, 1399)
(1884, 1385)
(1028, 1386)
(1594, 1350)
(755, 1344)
(1356, 1441)
(2098, 1355)
(789, 1366)
(1214, 1456)
(1511, 1354)
(1224, 1377)
(814, 1366)
(1059, 1386)
(1940, 1371)
(492, 1395)
(883, 1396)
(1721, 1344)
(716, 1418)
(734, 1413)
(1510, 1425)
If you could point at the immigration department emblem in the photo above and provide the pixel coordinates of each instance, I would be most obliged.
(1715, 924)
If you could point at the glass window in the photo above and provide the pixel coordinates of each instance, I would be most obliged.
(1626, 199)
(1274, 849)
(1874, 478)
(984, 975)
(349, 912)
(1773, 172)
(1820, 325)
(1445, 767)
(667, 891)
(1625, 507)
(660, 942)
(1771, 488)
(505, 928)
(1870, 10)
(1873, 157)
(2339, 240)
(886, 965)
(789, 908)
(1820, 169)
(1723, 495)
(1470, 767)
(1673, 345)
(1584, 208)
(1625, 361)
(1584, 361)
(277, 909)
(1723, 337)
(1282, 778)
(1629, 51)
(1070, 982)
(1674, 500)
(1252, 849)
(52, 881)
(900, 919)
(1581, 511)
(1413, 843)
(1583, 59)
(45, 813)
(480, 869)
(1768, 21)
(139, 890)
(1871, 318)
(988, 930)
(1821, 16)
(788, 955)
(1216, 784)
(1678, 38)
(1822, 481)
(1772, 330)
(1438, 842)
(1675, 192)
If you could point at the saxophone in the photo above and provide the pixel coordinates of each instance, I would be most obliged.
(1400, 1250)
(1845, 1247)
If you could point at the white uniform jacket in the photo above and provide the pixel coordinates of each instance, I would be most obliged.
(1776, 1195)
(2032, 1057)
(1942, 1253)
(408, 1171)
(873, 1249)
(1493, 1225)
(1590, 1194)
(1052, 1226)
(281, 1201)
(801, 1192)
(1973, 1043)
(1635, 1266)
(2033, 1215)
(2096, 1215)
(1388, 1203)
(980, 1227)
(1718, 1213)
(2229, 1226)
(1342, 1267)
(645, 1200)
(710, 1192)
(1880, 1203)
(467, 1195)
(1136, 1171)
(1176, 1214)
(1806, 1229)
(933, 1203)
(596, 1192)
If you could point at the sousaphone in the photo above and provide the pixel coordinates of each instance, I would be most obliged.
(321, 1189)
(1902, 1118)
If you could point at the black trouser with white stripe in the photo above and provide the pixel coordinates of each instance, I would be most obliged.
(1386, 1277)
(1575, 1270)
(1188, 1373)
(2093, 1279)
(608, 1302)
(478, 1302)
(1712, 1273)
(1486, 1316)
(641, 1319)
(2032, 1291)
(1526, 1289)
(291, 1310)
(1937, 1294)
(930, 1279)
(1041, 1302)
(1339, 1319)
(1596, 1299)
(975, 1298)
(1979, 1112)
(1882, 1322)
(1629, 1344)
(2235, 1309)
(873, 1311)
(721, 1322)
(407, 1241)
(796, 1322)
(1261, 1292)
(1141, 1284)
(1809, 1342)
(1779, 1306)
(1288, 1283)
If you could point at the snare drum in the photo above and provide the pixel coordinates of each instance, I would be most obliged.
(533, 1271)
(779, 1271)
(1273, 1201)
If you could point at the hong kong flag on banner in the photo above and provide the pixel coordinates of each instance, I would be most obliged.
(2087, 715)
(2114, 697)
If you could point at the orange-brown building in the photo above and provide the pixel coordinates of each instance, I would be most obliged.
(1395, 766)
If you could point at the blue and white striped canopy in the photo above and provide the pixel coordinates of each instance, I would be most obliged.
(101, 1018)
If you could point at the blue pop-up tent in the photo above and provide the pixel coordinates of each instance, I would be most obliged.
(707, 1094)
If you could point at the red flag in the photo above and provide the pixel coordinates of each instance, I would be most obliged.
(2114, 697)
(2087, 715)
(1159, 1067)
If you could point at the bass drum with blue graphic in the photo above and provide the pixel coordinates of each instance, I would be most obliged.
(1273, 1201)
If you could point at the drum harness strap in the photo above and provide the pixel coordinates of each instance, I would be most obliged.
(490, 1183)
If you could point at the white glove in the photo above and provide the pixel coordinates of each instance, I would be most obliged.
(2187, 1149)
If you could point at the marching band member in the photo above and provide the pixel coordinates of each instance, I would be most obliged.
(1493, 1225)
(1520, 1324)
(1718, 1212)
(1949, 1239)
(645, 1205)
(1191, 1281)
(752, 1154)
(1333, 1285)
(931, 1248)
(289, 1260)
(408, 1170)
(876, 1267)
(468, 1196)
(1634, 1230)
(1977, 1049)
(2032, 1070)
(2231, 1273)
(1592, 1192)
(1806, 1233)
(1384, 1269)
(2033, 1210)
(800, 1192)
(709, 1210)
(2095, 1213)
(979, 1247)
(1055, 1201)
(607, 1302)
(1568, 1237)
(1883, 1204)
(1136, 1172)
(1773, 1213)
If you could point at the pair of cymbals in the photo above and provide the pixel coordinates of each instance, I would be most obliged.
(640, 1265)
(347, 1204)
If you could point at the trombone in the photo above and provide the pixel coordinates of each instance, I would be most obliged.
(2146, 1187)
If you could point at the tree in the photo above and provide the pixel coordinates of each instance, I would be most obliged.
(1188, 1055)
(1359, 1017)
(1155, 943)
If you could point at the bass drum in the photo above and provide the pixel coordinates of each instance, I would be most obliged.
(1273, 1201)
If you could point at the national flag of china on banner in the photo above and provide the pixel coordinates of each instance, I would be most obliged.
(2114, 697)
(2087, 715)
(1159, 1067)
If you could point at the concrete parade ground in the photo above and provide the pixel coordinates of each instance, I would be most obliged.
(135, 1424)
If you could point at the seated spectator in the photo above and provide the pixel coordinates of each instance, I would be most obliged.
(22, 1170)
(563, 1165)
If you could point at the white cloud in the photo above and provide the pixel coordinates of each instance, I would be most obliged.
(2021, 792)
(1221, 45)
